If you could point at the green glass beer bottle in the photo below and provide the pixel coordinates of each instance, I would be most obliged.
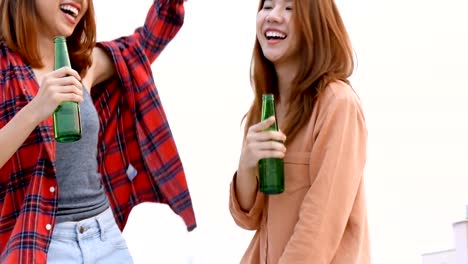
(67, 121)
(271, 170)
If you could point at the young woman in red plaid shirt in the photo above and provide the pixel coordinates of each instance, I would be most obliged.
(68, 202)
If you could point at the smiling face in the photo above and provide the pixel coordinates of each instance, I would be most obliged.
(276, 32)
(59, 17)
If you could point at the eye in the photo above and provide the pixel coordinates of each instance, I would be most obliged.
(289, 8)
(267, 5)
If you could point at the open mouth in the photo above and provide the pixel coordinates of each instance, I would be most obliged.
(70, 10)
(275, 35)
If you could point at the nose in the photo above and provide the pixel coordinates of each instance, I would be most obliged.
(275, 15)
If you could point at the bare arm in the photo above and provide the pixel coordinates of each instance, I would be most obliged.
(163, 21)
(246, 188)
(101, 69)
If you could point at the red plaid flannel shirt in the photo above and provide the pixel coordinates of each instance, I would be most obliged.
(137, 155)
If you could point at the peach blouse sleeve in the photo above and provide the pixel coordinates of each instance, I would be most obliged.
(337, 162)
(251, 219)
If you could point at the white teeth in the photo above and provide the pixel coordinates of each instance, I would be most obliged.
(71, 9)
(274, 34)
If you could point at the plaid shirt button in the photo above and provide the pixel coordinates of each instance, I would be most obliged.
(48, 227)
(52, 189)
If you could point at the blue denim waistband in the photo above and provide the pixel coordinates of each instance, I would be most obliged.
(96, 225)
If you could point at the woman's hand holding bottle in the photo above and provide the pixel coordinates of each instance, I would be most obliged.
(259, 144)
(56, 87)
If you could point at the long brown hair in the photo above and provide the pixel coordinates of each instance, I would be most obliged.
(326, 56)
(17, 28)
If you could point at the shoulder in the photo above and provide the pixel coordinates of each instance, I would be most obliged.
(339, 92)
(3, 60)
(3, 47)
(340, 95)
(13, 69)
(4, 51)
(8, 57)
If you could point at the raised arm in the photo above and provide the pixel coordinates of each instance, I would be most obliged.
(163, 20)
(337, 158)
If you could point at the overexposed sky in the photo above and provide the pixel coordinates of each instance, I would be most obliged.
(412, 61)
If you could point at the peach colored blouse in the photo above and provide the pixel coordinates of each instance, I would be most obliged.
(321, 218)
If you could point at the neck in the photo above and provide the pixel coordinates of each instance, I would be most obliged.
(286, 73)
(46, 51)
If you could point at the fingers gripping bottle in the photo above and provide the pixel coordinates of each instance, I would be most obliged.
(271, 170)
(67, 122)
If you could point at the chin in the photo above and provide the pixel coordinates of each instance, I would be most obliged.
(273, 55)
(66, 32)
(273, 58)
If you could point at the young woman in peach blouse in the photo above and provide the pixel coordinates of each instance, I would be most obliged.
(303, 56)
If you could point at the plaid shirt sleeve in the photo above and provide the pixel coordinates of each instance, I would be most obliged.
(138, 155)
(27, 204)
(163, 21)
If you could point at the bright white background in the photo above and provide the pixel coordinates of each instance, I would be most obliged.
(412, 63)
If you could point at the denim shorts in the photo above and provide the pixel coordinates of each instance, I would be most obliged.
(96, 240)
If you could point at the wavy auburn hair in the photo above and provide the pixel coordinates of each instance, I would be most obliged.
(326, 56)
(18, 28)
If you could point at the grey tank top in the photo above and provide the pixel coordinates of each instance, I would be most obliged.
(81, 194)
